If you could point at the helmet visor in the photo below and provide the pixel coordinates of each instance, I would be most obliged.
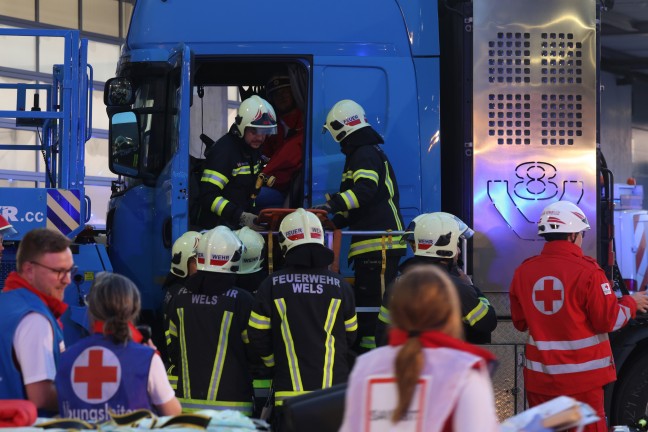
(262, 130)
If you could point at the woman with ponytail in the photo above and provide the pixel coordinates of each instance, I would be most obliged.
(428, 378)
(108, 371)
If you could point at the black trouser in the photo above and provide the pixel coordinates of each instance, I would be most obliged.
(367, 289)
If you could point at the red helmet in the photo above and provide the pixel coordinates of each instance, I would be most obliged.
(6, 229)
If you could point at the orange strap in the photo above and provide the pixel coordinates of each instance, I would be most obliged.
(337, 245)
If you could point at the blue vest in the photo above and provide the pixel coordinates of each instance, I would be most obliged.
(96, 375)
(14, 305)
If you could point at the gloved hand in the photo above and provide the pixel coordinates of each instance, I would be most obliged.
(249, 220)
(324, 206)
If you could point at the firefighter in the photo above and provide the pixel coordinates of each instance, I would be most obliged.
(107, 371)
(183, 265)
(435, 238)
(284, 149)
(303, 321)
(567, 304)
(232, 165)
(6, 230)
(208, 329)
(368, 200)
(251, 272)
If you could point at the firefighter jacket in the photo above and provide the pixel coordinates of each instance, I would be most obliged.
(478, 315)
(97, 375)
(285, 149)
(208, 343)
(368, 199)
(568, 306)
(228, 182)
(303, 324)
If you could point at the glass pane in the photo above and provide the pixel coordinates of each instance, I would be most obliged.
(9, 97)
(233, 94)
(51, 52)
(100, 16)
(96, 162)
(18, 52)
(15, 160)
(99, 198)
(23, 9)
(17, 183)
(127, 11)
(103, 58)
(64, 13)
(99, 116)
(231, 115)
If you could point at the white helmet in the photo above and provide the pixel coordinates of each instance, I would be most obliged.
(345, 118)
(562, 217)
(300, 227)
(257, 113)
(253, 255)
(437, 234)
(183, 249)
(219, 251)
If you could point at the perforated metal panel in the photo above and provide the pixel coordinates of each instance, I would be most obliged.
(508, 382)
(534, 126)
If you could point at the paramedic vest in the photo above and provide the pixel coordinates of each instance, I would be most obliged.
(97, 375)
(14, 305)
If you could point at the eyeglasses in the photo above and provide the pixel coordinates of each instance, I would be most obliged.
(61, 273)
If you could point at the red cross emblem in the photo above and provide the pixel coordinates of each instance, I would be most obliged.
(548, 295)
(96, 374)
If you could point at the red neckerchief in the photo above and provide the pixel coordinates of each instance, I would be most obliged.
(56, 306)
(98, 327)
(435, 339)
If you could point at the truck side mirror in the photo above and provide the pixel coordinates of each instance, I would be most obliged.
(124, 138)
(118, 92)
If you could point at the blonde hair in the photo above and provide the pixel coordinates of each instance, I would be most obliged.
(422, 299)
(115, 300)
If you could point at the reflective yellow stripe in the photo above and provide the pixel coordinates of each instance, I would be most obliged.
(374, 244)
(173, 330)
(383, 315)
(351, 324)
(190, 405)
(476, 314)
(259, 321)
(218, 205)
(245, 337)
(291, 355)
(368, 174)
(347, 175)
(215, 178)
(167, 337)
(261, 383)
(245, 169)
(268, 360)
(350, 199)
(221, 352)
(390, 188)
(329, 343)
(280, 396)
(368, 342)
(173, 380)
(184, 367)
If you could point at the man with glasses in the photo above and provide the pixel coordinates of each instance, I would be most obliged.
(567, 304)
(30, 306)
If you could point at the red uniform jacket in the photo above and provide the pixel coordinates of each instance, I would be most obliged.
(285, 149)
(566, 302)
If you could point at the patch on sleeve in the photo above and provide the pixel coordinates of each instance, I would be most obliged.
(606, 288)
